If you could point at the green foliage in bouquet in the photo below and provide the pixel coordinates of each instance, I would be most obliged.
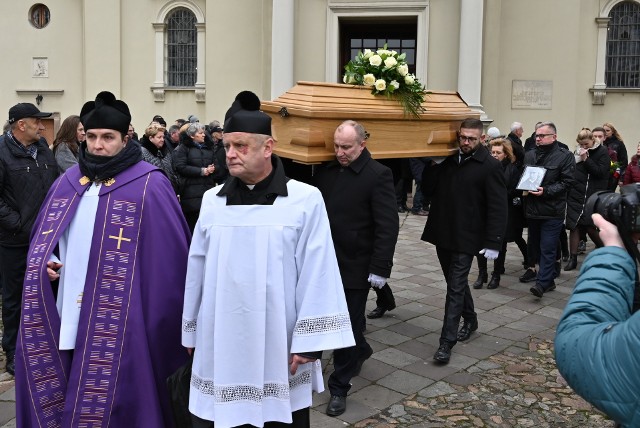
(387, 73)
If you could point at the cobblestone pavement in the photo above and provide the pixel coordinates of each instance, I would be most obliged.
(503, 376)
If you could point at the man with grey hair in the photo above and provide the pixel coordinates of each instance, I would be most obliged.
(27, 170)
(545, 208)
(515, 136)
(263, 291)
(360, 199)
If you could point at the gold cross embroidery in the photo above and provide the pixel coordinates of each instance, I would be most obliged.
(120, 238)
(47, 232)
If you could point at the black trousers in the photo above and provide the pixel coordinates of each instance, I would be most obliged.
(300, 420)
(13, 264)
(345, 360)
(384, 297)
(459, 303)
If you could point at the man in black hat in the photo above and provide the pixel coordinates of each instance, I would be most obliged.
(27, 170)
(111, 232)
(263, 295)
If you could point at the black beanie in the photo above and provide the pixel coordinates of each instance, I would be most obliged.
(106, 112)
(244, 115)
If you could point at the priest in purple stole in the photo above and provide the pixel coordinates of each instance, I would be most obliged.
(97, 352)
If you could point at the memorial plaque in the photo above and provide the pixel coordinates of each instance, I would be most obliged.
(531, 94)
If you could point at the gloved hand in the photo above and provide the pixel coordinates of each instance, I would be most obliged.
(377, 281)
(489, 254)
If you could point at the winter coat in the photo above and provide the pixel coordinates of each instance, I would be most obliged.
(632, 174)
(518, 149)
(160, 157)
(591, 175)
(468, 203)
(65, 158)
(24, 183)
(515, 214)
(597, 342)
(188, 161)
(361, 205)
(621, 150)
(560, 168)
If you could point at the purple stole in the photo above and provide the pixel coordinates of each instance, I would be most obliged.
(104, 310)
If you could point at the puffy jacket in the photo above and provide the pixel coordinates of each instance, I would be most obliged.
(560, 166)
(24, 183)
(597, 339)
(188, 161)
(592, 175)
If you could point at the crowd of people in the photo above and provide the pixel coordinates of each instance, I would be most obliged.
(247, 284)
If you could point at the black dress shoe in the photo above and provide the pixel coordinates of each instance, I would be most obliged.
(495, 281)
(468, 327)
(360, 362)
(378, 312)
(537, 291)
(443, 354)
(529, 276)
(11, 366)
(337, 405)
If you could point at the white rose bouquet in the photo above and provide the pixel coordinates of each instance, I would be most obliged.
(387, 73)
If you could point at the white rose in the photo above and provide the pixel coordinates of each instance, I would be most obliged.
(394, 53)
(403, 69)
(395, 84)
(344, 79)
(409, 79)
(390, 62)
(367, 53)
(369, 79)
(381, 51)
(375, 60)
(381, 85)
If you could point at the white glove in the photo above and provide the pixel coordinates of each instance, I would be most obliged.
(489, 254)
(377, 281)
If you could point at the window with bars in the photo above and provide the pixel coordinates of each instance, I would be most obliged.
(623, 46)
(400, 34)
(181, 49)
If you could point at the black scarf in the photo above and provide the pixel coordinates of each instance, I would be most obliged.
(100, 168)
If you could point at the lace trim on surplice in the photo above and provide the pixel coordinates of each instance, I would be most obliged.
(325, 324)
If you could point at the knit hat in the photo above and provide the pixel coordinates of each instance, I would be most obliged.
(106, 112)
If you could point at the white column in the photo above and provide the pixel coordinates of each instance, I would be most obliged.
(599, 87)
(158, 85)
(470, 53)
(282, 34)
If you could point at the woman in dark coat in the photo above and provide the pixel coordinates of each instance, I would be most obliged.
(501, 150)
(196, 167)
(613, 141)
(591, 175)
(156, 152)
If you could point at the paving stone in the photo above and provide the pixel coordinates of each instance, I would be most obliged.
(395, 357)
(388, 337)
(405, 382)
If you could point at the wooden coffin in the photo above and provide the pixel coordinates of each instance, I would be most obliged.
(306, 116)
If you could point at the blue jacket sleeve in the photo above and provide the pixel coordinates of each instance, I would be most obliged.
(598, 338)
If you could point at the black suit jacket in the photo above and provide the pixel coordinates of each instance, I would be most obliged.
(361, 204)
(468, 203)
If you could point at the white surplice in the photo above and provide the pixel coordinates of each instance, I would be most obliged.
(75, 249)
(262, 283)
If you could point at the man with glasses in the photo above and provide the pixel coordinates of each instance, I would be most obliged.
(468, 216)
(545, 208)
(27, 170)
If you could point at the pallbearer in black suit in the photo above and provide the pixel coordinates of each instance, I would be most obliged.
(361, 204)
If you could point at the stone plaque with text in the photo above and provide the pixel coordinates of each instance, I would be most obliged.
(531, 94)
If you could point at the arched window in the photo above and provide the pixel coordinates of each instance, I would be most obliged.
(623, 46)
(181, 48)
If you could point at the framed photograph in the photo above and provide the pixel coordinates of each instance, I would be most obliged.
(531, 178)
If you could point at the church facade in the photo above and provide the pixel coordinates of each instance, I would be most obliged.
(575, 62)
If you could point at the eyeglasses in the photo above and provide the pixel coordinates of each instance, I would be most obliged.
(541, 136)
(463, 139)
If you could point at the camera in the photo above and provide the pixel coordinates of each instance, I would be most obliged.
(621, 209)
